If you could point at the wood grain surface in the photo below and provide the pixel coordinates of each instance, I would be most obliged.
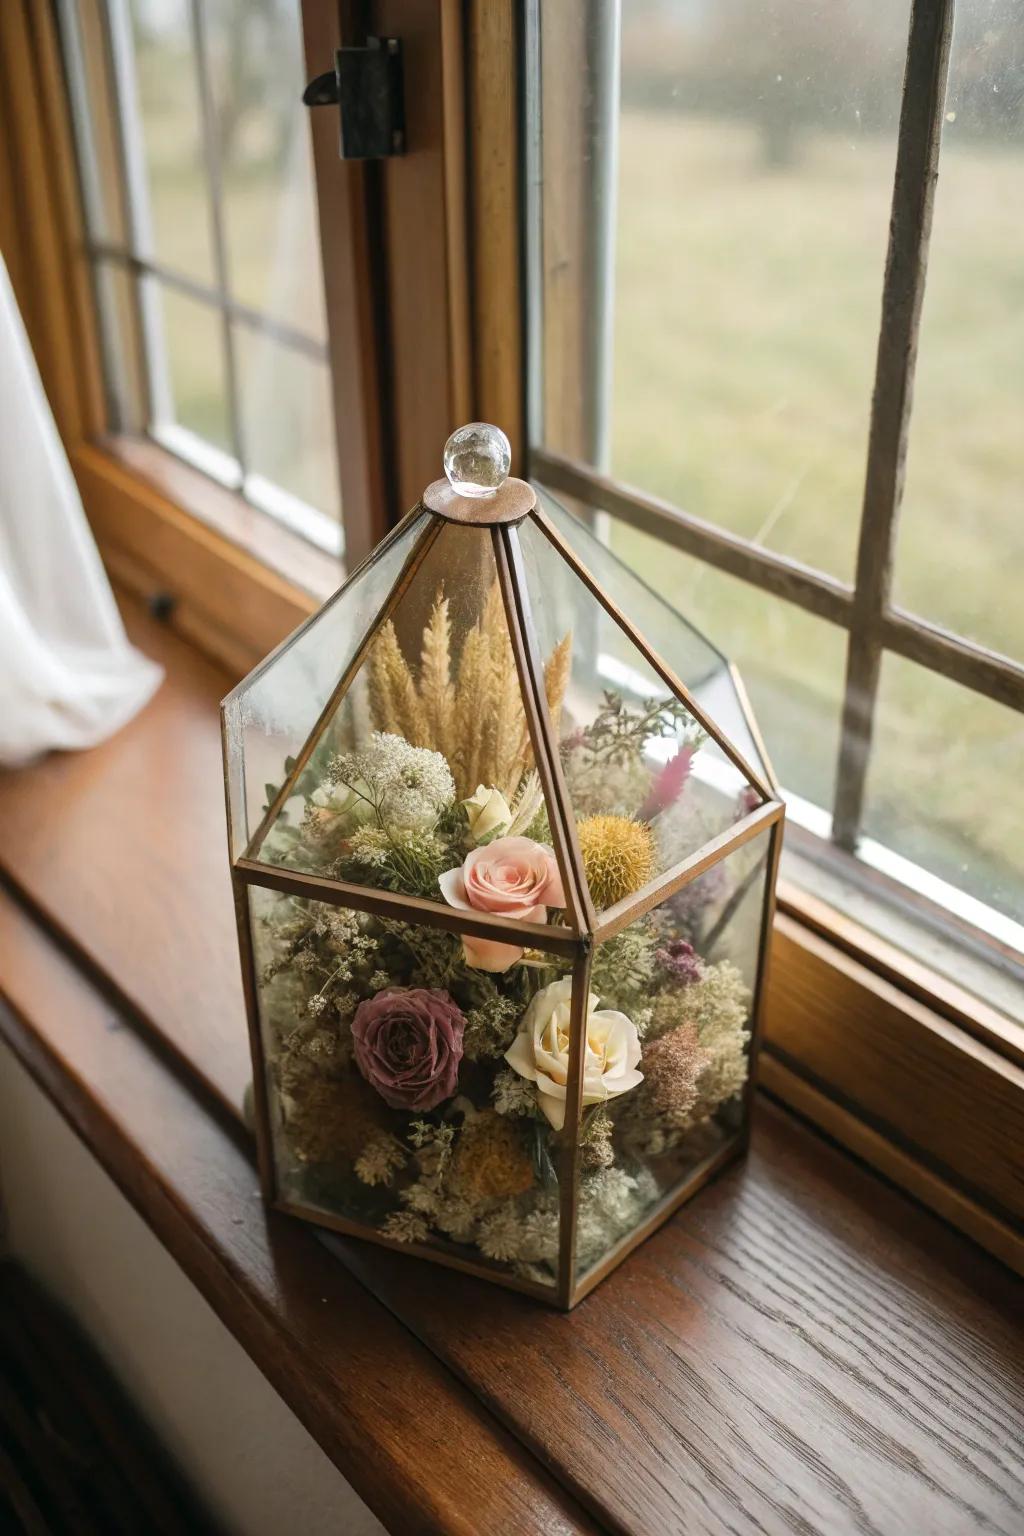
(801, 1349)
(414, 1443)
(123, 849)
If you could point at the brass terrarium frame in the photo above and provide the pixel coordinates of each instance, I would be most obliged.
(502, 512)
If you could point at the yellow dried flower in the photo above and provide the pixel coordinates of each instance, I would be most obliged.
(490, 1160)
(619, 856)
(328, 1119)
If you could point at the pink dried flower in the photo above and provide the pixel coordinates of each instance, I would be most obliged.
(668, 784)
(672, 1066)
(681, 961)
(408, 1045)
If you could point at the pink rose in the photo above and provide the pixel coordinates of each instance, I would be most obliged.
(408, 1045)
(513, 877)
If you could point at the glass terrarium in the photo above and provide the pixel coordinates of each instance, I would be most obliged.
(504, 844)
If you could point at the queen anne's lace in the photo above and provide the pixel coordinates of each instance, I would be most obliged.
(408, 786)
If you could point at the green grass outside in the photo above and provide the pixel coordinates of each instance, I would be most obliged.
(747, 313)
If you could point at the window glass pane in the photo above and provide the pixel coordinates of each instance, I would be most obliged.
(944, 787)
(962, 533)
(791, 662)
(287, 422)
(723, 208)
(270, 212)
(163, 105)
(87, 61)
(189, 390)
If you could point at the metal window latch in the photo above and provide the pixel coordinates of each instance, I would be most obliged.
(366, 83)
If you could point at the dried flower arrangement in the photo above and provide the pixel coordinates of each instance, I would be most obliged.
(420, 1075)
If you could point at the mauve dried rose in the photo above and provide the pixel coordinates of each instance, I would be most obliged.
(408, 1045)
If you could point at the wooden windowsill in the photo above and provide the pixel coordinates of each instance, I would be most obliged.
(801, 1348)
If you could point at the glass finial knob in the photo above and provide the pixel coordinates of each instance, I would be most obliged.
(477, 459)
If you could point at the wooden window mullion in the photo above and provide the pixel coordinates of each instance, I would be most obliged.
(917, 156)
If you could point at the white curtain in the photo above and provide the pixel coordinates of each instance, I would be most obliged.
(68, 675)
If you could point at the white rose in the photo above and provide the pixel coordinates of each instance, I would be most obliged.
(540, 1051)
(488, 813)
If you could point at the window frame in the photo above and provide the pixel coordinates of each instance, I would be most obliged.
(425, 265)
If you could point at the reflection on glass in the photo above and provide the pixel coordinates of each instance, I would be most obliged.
(276, 708)
(684, 976)
(189, 388)
(287, 421)
(944, 787)
(647, 784)
(961, 540)
(791, 662)
(173, 205)
(755, 155)
(269, 202)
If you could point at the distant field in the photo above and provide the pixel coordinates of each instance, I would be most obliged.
(747, 310)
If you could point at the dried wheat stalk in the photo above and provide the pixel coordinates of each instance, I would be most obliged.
(476, 717)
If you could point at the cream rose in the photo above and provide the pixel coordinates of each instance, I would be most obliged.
(488, 813)
(514, 878)
(540, 1051)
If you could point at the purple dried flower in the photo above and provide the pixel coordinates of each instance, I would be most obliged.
(408, 1045)
(681, 961)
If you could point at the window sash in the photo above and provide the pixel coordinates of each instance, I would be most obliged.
(864, 608)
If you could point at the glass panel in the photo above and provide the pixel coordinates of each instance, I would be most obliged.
(287, 422)
(269, 201)
(674, 993)
(187, 375)
(279, 704)
(944, 792)
(172, 198)
(961, 538)
(647, 786)
(714, 234)
(392, 1105)
(792, 663)
(423, 779)
(702, 668)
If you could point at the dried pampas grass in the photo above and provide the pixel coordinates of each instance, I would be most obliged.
(473, 712)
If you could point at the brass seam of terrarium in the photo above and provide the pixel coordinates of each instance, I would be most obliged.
(665, 672)
(415, 559)
(376, 554)
(569, 1161)
(513, 581)
(747, 711)
(760, 987)
(538, 719)
(381, 903)
(265, 1161)
(626, 911)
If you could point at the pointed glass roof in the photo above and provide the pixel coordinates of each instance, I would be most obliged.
(493, 691)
